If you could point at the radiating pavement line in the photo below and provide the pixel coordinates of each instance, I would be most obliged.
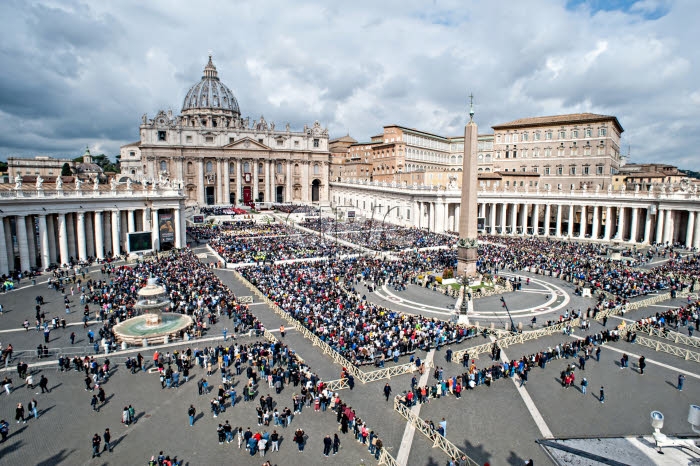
(534, 412)
(408, 433)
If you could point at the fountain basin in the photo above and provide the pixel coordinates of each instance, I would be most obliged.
(144, 327)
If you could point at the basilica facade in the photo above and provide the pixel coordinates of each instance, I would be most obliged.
(218, 157)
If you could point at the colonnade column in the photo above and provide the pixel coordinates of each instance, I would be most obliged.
(82, 249)
(431, 216)
(689, 229)
(51, 232)
(633, 226)
(155, 232)
(596, 222)
(668, 227)
(608, 223)
(31, 239)
(647, 226)
(571, 221)
(547, 216)
(63, 239)
(99, 236)
(583, 222)
(455, 218)
(514, 219)
(696, 240)
(536, 220)
(523, 217)
(130, 221)
(557, 233)
(504, 211)
(492, 224)
(256, 182)
(178, 229)
(21, 227)
(116, 243)
(659, 226)
(44, 243)
(620, 222)
(9, 244)
(4, 264)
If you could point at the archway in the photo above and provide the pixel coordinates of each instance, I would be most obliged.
(279, 194)
(315, 190)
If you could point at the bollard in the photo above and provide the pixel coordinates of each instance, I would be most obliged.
(505, 326)
(124, 345)
(33, 281)
(520, 326)
(145, 342)
(165, 339)
(493, 326)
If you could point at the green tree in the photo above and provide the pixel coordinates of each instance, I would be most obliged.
(65, 170)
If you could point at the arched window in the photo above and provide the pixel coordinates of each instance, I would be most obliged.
(317, 170)
(210, 167)
(163, 165)
(190, 168)
(246, 167)
(260, 168)
(279, 168)
(296, 168)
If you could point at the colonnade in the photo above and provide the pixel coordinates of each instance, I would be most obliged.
(38, 240)
(630, 224)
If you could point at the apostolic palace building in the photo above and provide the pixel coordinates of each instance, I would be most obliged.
(560, 176)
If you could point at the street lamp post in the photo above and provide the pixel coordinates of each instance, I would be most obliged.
(371, 223)
(466, 296)
(335, 226)
(512, 324)
(384, 221)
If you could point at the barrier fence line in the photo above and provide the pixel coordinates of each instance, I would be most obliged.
(668, 348)
(439, 441)
(670, 335)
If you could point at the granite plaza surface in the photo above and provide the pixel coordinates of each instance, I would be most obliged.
(490, 424)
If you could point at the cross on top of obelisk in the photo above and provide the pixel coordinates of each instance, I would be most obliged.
(471, 107)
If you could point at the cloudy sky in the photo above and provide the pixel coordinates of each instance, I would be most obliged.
(74, 73)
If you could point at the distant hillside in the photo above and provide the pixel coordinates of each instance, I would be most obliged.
(691, 173)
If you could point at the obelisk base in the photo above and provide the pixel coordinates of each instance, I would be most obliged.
(466, 262)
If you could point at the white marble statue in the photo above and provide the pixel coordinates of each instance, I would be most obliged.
(113, 184)
(128, 184)
(78, 183)
(18, 181)
(96, 184)
(39, 182)
(59, 183)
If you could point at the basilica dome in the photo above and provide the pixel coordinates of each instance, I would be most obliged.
(210, 94)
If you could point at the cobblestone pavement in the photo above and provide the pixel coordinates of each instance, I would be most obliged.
(490, 424)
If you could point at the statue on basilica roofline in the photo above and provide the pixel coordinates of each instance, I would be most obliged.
(113, 184)
(78, 183)
(39, 182)
(96, 184)
(18, 181)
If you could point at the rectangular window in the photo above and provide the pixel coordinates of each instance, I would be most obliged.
(525, 136)
(315, 142)
(572, 170)
(260, 140)
(507, 183)
(408, 214)
(280, 142)
(599, 170)
(209, 139)
(548, 135)
(601, 132)
(515, 138)
(132, 154)
(562, 134)
(230, 140)
(589, 133)
(560, 171)
(161, 135)
(586, 170)
(574, 134)
(546, 170)
(296, 143)
(534, 169)
(537, 136)
(188, 138)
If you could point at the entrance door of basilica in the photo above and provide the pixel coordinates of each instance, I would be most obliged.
(210, 195)
(247, 195)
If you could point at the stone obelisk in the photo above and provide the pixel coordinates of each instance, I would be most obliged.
(466, 246)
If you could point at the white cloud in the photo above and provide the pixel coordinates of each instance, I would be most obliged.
(73, 73)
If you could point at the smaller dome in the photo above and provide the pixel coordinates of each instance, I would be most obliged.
(211, 94)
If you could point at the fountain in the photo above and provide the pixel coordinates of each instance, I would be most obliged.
(153, 326)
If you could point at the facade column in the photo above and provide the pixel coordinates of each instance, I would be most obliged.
(130, 221)
(268, 181)
(200, 187)
(116, 236)
(227, 182)
(570, 232)
(647, 226)
(288, 198)
(21, 229)
(99, 236)
(596, 223)
(696, 238)
(51, 232)
(416, 214)
(155, 231)
(219, 194)
(82, 249)
(660, 214)
(668, 227)
(4, 263)
(689, 230)
(256, 183)
(178, 230)
(31, 239)
(547, 216)
(146, 220)
(492, 224)
(63, 239)
(557, 233)
(633, 225)
(455, 218)
(514, 219)
(608, 223)
(44, 243)
(583, 223)
(536, 220)
(305, 196)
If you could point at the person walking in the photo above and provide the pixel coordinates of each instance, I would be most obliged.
(191, 412)
(282, 331)
(19, 414)
(299, 439)
(4, 429)
(387, 391)
(33, 408)
(642, 364)
(336, 444)
(96, 445)
(602, 395)
(93, 403)
(584, 385)
(597, 354)
(327, 444)
(108, 437)
(44, 384)
(681, 381)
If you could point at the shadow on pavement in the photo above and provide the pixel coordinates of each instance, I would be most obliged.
(56, 458)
